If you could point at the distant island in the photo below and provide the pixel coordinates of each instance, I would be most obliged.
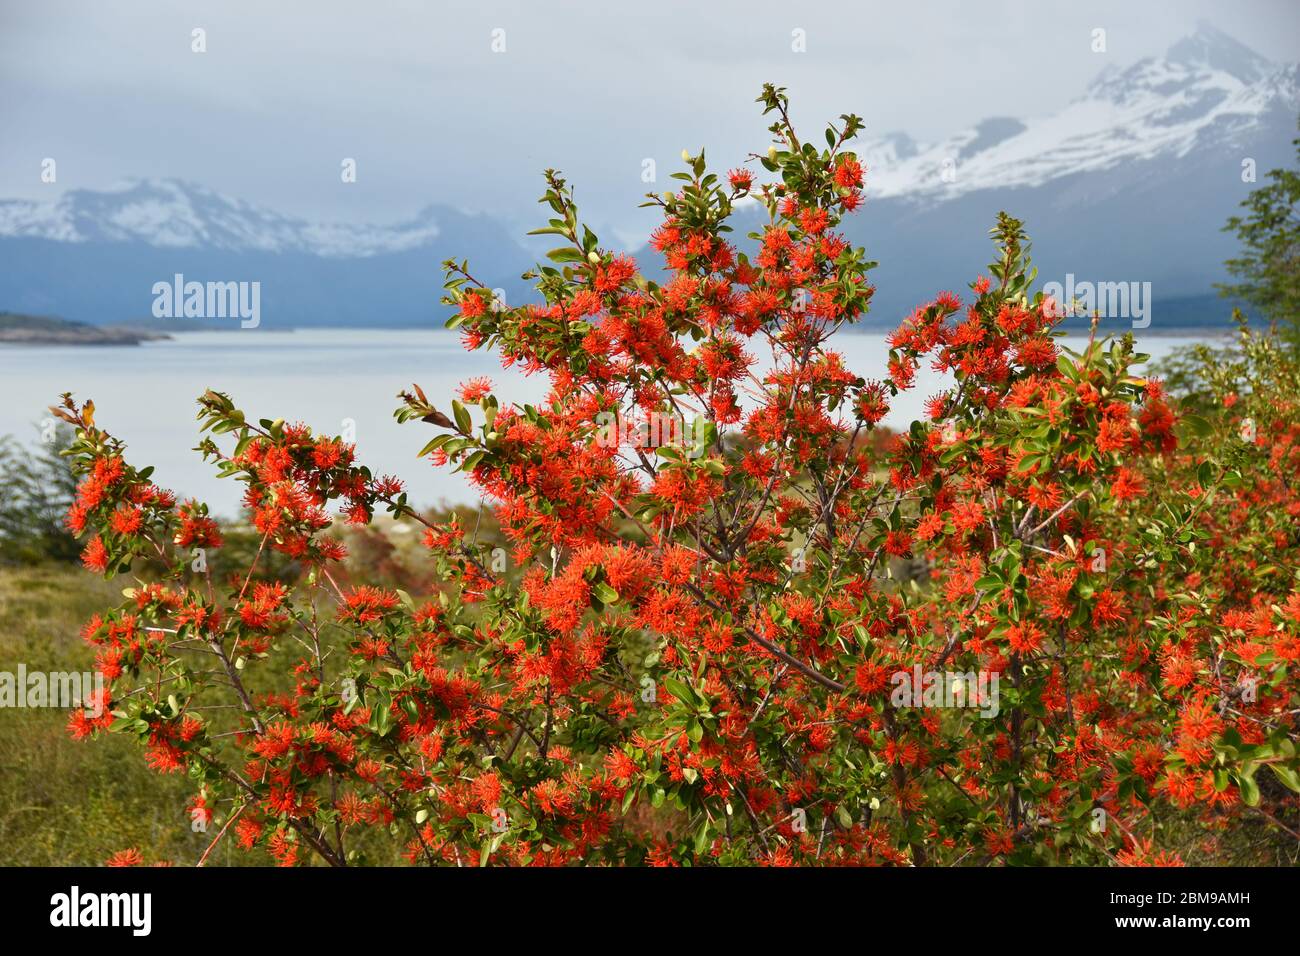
(19, 329)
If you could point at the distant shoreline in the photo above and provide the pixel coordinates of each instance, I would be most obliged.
(21, 329)
(109, 340)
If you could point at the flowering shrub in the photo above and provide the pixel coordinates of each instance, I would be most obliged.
(724, 650)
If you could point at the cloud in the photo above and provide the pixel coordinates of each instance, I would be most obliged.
(415, 94)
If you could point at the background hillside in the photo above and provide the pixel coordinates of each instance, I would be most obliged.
(1130, 181)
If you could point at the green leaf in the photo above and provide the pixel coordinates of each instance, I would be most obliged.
(702, 838)
(1249, 790)
(681, 691)
(463, 422)
(1290, 779)
(1198, 426)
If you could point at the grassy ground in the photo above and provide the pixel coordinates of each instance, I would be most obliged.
(64, 801)
(77, 802)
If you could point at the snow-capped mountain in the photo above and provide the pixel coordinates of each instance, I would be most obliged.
(1131, 181)
(178, 214)
(95, 256)
(1207, 92)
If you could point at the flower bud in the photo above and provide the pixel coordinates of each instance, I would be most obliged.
(686, 157)
(771, 153)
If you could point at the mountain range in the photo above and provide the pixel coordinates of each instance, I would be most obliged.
(1131, 181)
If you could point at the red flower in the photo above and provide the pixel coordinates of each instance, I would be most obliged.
(1128, 485)
(1108, 608)
(742, 180)
(1025, 637)
(848, 173)
(95, 556)
(475, 389)
(367, 605)
(127, 520)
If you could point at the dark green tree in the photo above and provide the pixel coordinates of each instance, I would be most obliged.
(35, 491)
(1268, 268)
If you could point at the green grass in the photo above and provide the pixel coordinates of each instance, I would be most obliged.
(75, 802)
(66, 802)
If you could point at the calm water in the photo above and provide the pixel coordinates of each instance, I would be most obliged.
(145, 394)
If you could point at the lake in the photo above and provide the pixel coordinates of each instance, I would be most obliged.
(146, 394)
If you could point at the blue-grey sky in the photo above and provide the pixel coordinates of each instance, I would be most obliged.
(416, 94)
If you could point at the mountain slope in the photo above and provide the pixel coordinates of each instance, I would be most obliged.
(1208, 92)
(95, 256)
(1131, 181)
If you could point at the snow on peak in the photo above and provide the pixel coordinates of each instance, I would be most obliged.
(1206, 85)
(1206, 88)
(1209, 48)
(178, 214)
